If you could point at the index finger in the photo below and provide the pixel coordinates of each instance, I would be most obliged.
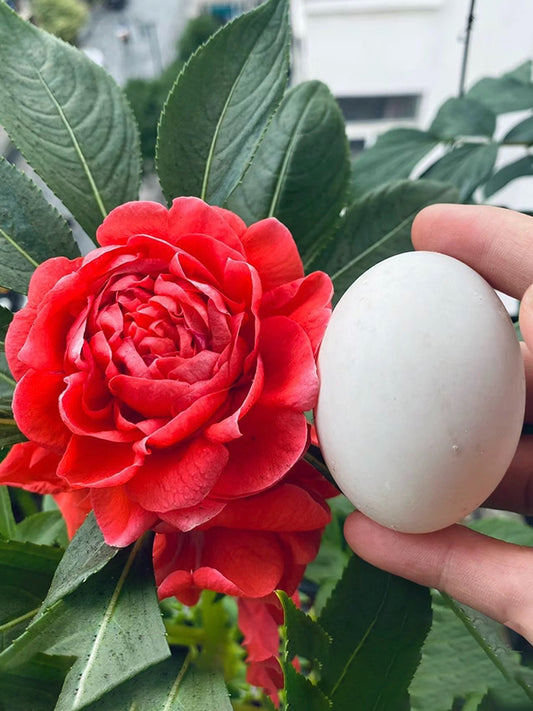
(496, 242)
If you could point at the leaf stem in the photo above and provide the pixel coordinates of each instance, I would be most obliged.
(176, 685)
(17, 246)
(12, 623)
(469, 23)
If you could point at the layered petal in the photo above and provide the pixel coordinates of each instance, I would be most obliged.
(121, 520)
(31, 467)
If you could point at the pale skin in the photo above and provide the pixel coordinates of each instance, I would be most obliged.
(489, 575)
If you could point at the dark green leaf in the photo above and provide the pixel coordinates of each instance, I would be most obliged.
(10, 433)
(521, 133)
(34, 686)
(86, 555)
(378, 624)
(45, 528)
(26, 571)
(519, 169)
(393, 157)
(7, 520)
(218, 109)
(69, 119)
(466, 167)
(503, 94)
(304, 637)
(376, 227)
(7, 383)
(5, 319)
(112, 624)
(462, 117)
(31, 230)
(301, 694)
(300, 170)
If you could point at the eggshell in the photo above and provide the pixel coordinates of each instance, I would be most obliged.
(422, 392)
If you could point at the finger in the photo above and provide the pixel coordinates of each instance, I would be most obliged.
(515, 491)
(493, 577)
(497, 243)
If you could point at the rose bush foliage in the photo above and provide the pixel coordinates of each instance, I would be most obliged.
(162, 381)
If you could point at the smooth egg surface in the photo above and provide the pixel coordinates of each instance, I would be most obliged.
(422, 392)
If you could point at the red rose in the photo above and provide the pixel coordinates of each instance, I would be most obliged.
(254, 546)
(168, 371)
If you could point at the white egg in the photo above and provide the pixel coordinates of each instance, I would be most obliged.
(422, 392)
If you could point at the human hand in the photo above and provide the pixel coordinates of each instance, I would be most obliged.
(494, 577)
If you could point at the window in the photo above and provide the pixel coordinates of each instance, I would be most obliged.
(357, 145)
(373, 108)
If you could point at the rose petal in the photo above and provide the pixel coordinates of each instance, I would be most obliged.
(133, 218)
(187, 519)
(291, 378)
(272, 250)
(97, 463)
(273, 440)
(178, 478)
(16, 337)
(121, 520)
(74, 506)
(192, 215)
(31, 467)
(36, 409)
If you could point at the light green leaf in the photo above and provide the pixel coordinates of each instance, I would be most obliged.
(34, 686)
(521, 133)
(503, 94)
(304, 637)
(218, 109)
(112, 624)
(301, 693)
(466, 167)
(7, 520)
(521, 73)
(462, 117)
(376, 227)
(392, 157)
(519, 169)
(31, 230)
(69, 119)
(300, 169)
(506, 529)
(199, 690)
(377, 623)
(44, 528)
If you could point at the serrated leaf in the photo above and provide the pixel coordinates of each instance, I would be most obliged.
(31, 230)
(301, 693)
(304, 637)
(466, 167)
(377, 623)
(502, 94)
(300, 170)
(392, 157)
(34, 686)
(376, 227)
(521, 133)
(44, 528)
(112, 624)
(7, 520)
(462, 117)
(86, 555)
(218, 109)
(26, 571)
(519, 169)
(69, 119)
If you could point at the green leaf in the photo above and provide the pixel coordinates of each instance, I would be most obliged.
(466, 167)
(5, 319)
(112, 624)
(304, 637)
(7, 520)
(376, 227)
(10, 433)
(69, 119)
(218, 110)
(86, 555)
(300, 170)
(301, 693)
(34, 686)
(377, 623)
(462, 117)
(503, 94)
(521, 133)
(519, 169)
(521, 73)
(31, 230)
(199, 690)
(44, 528)
(392, 157)
(511, 530)
(26, 571)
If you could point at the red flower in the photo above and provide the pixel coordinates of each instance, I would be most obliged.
(168, 371)
(251, 548)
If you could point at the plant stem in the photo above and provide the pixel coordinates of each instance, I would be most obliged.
(469, 23)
